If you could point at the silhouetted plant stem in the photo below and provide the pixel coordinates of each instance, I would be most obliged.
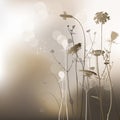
(86, 105)
(111, 91)
(86, 98)
(100, 89)
(101, 36)
(68, 86)
(77, 86)
(110, 83)
(58, 83)
(59, 63)
(92, 43)
(61, 104)
(55, 98)
(77, 81)
(84, 62)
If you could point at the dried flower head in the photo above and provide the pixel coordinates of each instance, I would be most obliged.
(114, 35)
(101, 17)
(98, 52)
(107, 62)
(74, 49)
(65, 16)
(88, 73)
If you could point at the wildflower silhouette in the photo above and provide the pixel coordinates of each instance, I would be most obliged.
(88, 73)
(114, 35)
(75, 48)
(101, 17)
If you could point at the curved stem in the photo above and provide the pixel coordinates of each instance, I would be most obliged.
(100, 89)
(76, 74)
(84, 62)
(110, 107)
(91, 45)
(68, 69)
(83, 36)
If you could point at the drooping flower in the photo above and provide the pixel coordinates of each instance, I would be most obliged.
(114, 35)
(88, 73)
(101, 17)
(74, 49)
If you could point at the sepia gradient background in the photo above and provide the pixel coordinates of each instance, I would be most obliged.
(28, 30)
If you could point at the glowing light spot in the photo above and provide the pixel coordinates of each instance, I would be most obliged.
(61, 39)
(61, 74)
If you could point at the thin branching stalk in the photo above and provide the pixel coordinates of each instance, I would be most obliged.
(55, 98)
(69, 91)
(77, 81)
(70, 66)
(58, 84)
(61, 104)
(66, 85)
(84, 62)
(100, 89)
(110, 82)
(90, 37)
(92, 43)
(59, 63)
(61, 96)
(86, 99)
(86, 105)
(104, 74)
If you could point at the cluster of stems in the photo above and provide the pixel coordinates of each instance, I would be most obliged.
(78, 109)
